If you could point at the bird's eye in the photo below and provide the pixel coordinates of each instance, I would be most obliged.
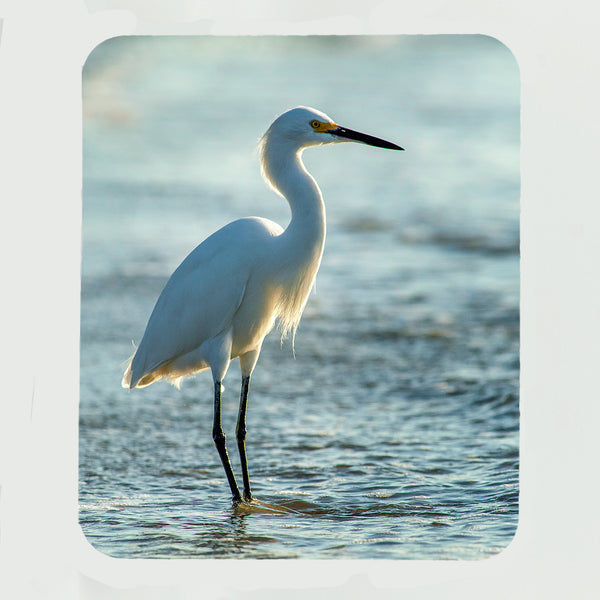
(315, 124)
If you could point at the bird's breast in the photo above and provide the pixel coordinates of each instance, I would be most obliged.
(281, 272)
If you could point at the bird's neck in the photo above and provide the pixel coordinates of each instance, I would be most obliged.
(300, 246)
(284, 170)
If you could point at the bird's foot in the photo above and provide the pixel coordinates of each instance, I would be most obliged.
(241, 500)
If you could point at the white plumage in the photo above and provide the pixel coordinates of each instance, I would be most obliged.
(229, 292)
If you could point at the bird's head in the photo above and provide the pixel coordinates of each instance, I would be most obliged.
(305, 127)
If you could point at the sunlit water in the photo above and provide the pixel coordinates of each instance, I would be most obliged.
(393, 430)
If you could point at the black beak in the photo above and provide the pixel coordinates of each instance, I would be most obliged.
(363, 138)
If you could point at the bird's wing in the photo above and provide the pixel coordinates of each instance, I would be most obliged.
(201, 297)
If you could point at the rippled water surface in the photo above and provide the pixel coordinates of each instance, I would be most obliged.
(392, 429)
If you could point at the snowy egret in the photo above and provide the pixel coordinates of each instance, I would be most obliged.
(229, 292)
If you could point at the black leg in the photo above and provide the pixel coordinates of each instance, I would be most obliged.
(219, 439)
(240, 433)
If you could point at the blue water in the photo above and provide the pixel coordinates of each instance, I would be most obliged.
(392, 430)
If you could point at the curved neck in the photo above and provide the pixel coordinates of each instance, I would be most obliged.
(284, 170)
(299, 248)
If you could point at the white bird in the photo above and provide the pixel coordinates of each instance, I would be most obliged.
(229, 292)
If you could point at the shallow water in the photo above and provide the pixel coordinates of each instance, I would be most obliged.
(392, 429)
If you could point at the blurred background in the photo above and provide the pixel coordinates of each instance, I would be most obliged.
(393, 431)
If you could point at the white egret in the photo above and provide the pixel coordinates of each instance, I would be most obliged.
(229, 292)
